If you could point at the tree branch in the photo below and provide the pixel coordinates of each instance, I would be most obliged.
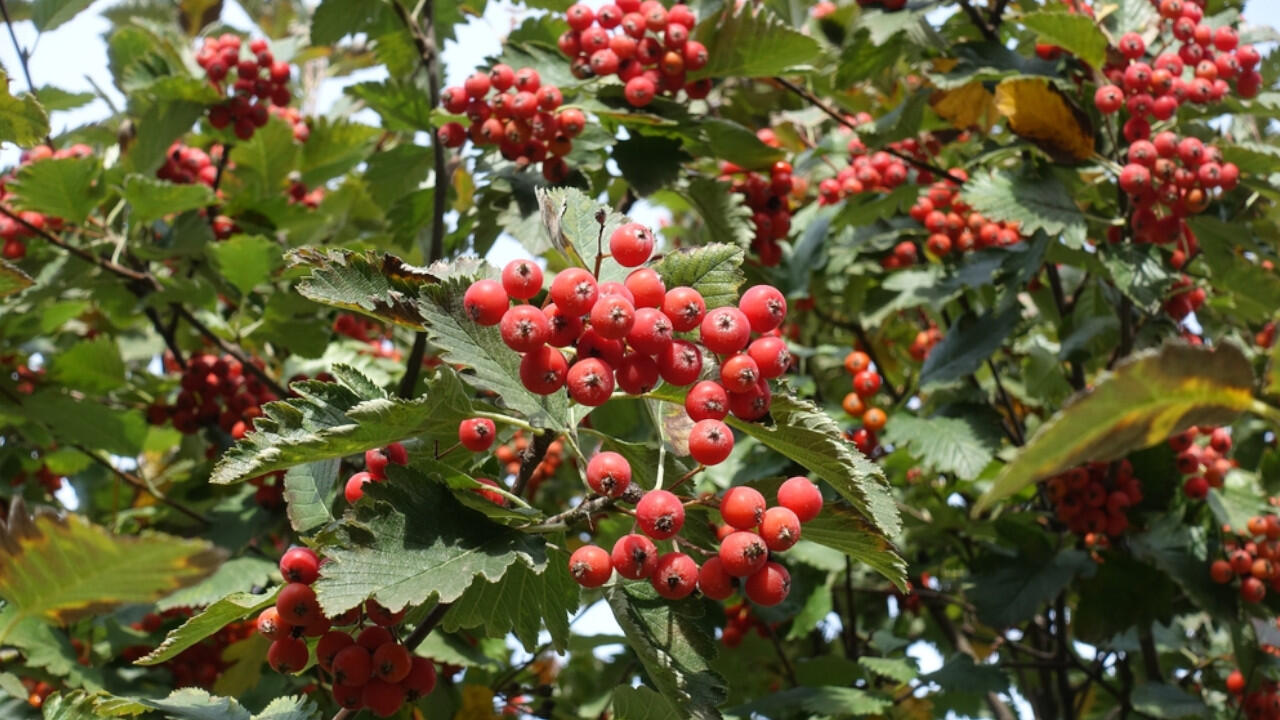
(1059, 299)
(532, 458)
(122, 271)
(998, 706)
(140, 484)
(979, 22)
(1064, 656)
(24, 57)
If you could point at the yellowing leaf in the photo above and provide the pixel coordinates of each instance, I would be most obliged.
(968, 106)
(63, 568)
(477, 704)
(1040, 113)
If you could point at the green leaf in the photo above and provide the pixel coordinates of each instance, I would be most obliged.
(1123, 593)
(1147, 398)
(63, 187)
(411, 215)
(962, 444)
(54, 98)
(1253, 291)
(968, 344)
(389, 554)
(521, 601)
(49, 14)
(649, 162)
(331, 420)
(160, 122)
(197, 704)
(237, 575)
(713, 270)
(22, 120)
(842, 528)
(85, 422)
(1132, 16)
(570, 218)
(1037, 202)
(246, 261)
(961, 674)
(900, 670)
(1077, 34)
(47, 648)
(862, 59)
(901, 122)
(263, 163)
(333, 148)
(383, 287)
(641, 703)
(229, 609)
(13, 279)
(309, 491)
(753, 42)
(724, 213)
(1181, 553)
(815, 702)
(90, 365)
(673, 641)
(1139, 272)
(402, 106)
(153, 199)
(733, 142)
(1016, 589)
(63, 568)
(1167, 701)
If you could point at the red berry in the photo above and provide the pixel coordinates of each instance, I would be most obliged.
(348, 697)
(866, 383)
(725, 330)
(801, 497)
(608, 473)
(742, 507)
(652, 331)
(635, 557)
(646, 288)
(270, 625)
(1235, 682)
(739, 374)
(380, 615)
(354, 489)
(373, 637)
(574, 290)
(300, 564)
(639, 92)
(780, 529)
(287, 655)
(590, 382)
(391, 662)
(590, 566)
(769, 586)
(771, 355)
(764, 306)
(353, 665)
(631, 244)
(612, 316)
(1251, 590)
(421, 679)
(660, 514)
(477, 434)
(382, 697)
(675, 576)
(332, 643)
(743, 553)
(1221, 572)
(684, 307)
(565, 329)
(680, 363)
(713, 580)
(522, 279)
(710, 442)
(707, 400)
(1196, 487)
(637, 374)
(1132, 46)
(296, 604)
(502, 77)
(580, 16)
(527, 79)
(524, 328)
(543, 370)
(485, 302)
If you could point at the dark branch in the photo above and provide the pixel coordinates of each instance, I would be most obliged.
(142, 485)
(979, 22)
(532, 458)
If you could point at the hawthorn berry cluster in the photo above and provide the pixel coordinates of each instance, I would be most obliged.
(924, 342)
(260, 81)
(623, 335)
(1263, 703)
(48, 479)
(1092, 503)
(769, 198)
(521, 119)
(1252, 555)
(14, 233)
(375, 469)
(300, 195)
(880, 171)
(645, 44)
(953, 225)
(368, 667)
(188, 165)
(372, 333)
(739, 620)
(214, 390)
(751, 532)
(199, 665)
(866, 383)
(1205, 464)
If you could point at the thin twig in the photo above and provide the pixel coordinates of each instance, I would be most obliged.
(1059, 299)
(167, 334)
(102, 95)
(1062, 635)
(997, 13)
(532, 458)
(1019, 437)
(24, 57)
(566, 519)
(142, 485)
(81, 253)
(979, 22)
(787, 668)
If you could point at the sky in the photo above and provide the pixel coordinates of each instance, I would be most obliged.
(70, 55)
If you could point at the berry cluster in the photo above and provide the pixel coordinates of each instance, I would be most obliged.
(866, 383)
(48, 479)
(924, 342)
(370, 670)
(751, 533)
(739, 620)
(299, 195)
(1205, 464)
(510, 454)
(260, 81)
(301, 130)
(880, 171)
(1263, 703)
(375, 464)
(1185, 298)
(202, 663)
(521, 119)
(187, 165)
(623, 335)
(1093, 500)
(952, 225)
(37, 691)
(645, 44)
(1252, 556)
(366, 330)
(769, 198)
(214, 390)
(270, 490)
(14, 233)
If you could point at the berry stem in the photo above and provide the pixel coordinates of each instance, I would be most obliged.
(687, 476)
(1266, 411)
(601, 217)
(506, 420)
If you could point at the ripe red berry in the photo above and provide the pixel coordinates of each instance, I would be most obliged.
(675, 576)
(574, 290)
(764, 306)
(646, 288)
(485, 302)
(866, 383)
(635, 557)
(543, 370)
(524, 328)
(590, 382)
(608, 473)
(270, 626)
(421, 679)
(580, 17)
(1235, 682)
(660, 514)
(522, 279)
(613, 316)
(769, 586)
(1220, 571)
(477, 434)
(639, 92)
(1251, 590)
(707, 400)
(391, 662)
(771, 355)
(725, 330)
(590, 566)
(1196, 487)
(631, 244)
(287, 655)
(713, 580)
(684, 307)
(330, 644)
(348, 697)
(710, 442)
(652, 331)
(680, 363)
(296, 604)
(353, 665)
(637, 373)
(502, 77)
(742, 507)
(565, 329)
(739, 373)
(382, 697)
(743, 553)
(380, 615)
(801, 497)
(300, 564)
(780, 529)
(1132, 45)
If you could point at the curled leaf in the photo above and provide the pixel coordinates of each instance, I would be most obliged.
(1040, 113)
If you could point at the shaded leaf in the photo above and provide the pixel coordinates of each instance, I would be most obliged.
(842, 528)
(649, 162)
(81, 421)
(246, 261)
(826, 701)
(962, 445)
(1016, 590)
(1148, 397)
(1167, 701)
(521, 602)
(47, 648)
(713, 270)
(641, 703)
(152, 199)
(724, 212)
(49, 14)
(229, 609)
(968, 344)
(1036, 202)
(383, 287)
(237, 575)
